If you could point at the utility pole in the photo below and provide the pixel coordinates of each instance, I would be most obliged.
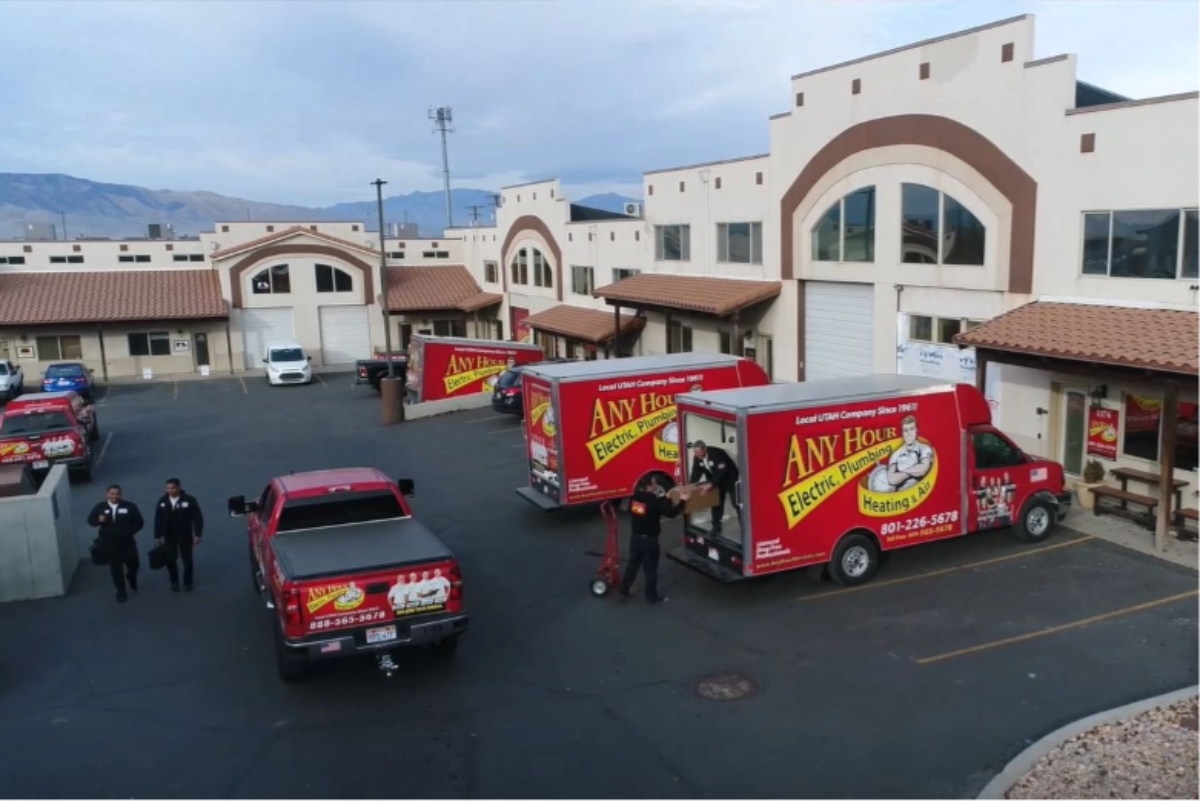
(475, 214)
(443, 123)
(379, 183)
(63, 215)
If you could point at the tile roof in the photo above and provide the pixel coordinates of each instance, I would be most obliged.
(288, 233)
(446, 286)
(719, 296)
(110, 296)
(1150, 339)
(590, 325)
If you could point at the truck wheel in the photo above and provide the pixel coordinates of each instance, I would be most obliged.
(291, 668)
(446, 648)
(855, 560)
(1036, 523)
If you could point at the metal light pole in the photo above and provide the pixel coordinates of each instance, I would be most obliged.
(379, 183)
(443, 123)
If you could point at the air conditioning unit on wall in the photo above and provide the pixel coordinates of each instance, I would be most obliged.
(633, 209)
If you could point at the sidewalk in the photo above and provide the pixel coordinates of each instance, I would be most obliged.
(1130, 535)
(215, 375)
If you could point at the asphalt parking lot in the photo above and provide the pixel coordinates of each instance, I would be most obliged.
(921, 684)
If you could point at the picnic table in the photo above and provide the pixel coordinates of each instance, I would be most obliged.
(1124, 497)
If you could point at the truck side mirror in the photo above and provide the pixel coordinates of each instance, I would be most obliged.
(237, 505)
(408, 487)
(266, 361)
(309, 358)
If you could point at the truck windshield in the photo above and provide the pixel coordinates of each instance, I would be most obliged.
(287, 355)
(33, 423)
(335, 509)
(509, 378)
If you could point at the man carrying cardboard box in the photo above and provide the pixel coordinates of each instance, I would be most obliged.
(714, 467)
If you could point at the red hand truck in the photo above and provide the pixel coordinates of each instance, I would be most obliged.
(609, 574)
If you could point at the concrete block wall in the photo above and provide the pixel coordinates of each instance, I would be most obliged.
(38, 551)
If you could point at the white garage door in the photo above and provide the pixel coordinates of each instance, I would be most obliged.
(839, 330)
(261, 327)
(345, 334)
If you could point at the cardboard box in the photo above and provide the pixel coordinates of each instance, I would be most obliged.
(697, 502)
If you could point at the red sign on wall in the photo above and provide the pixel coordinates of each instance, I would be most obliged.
(1103, 432)
(520, 331)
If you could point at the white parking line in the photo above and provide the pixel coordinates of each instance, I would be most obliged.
(103, 449)
(322, 380)
(245, 389)
(176, 396)
(505, 430)
(107, 392)
(491, 419)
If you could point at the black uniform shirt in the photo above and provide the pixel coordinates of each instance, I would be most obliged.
(646, 511)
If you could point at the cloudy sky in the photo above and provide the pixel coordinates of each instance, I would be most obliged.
(306, 102)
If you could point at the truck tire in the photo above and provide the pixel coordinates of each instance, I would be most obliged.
(291, 667)
(446, 648)
(1037, 521)
(95, 432)
(855, 560)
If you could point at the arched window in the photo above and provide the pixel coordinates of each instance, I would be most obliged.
(520, 267)
(331, 279)
(272, 281)
(847, 230)
(937, 229)
(541, 270)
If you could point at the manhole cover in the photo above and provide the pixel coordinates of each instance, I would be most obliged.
(726, 686)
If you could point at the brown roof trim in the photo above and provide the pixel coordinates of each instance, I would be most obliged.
(1148, 101)
(480, 301)
(530, 222)
(110, 296)
(709, 164)
(529, 183)
(780, 115)
(915, 45)
(589, 325)
(279, 236)
(939, 133)
(689, 293)
(277, 251)
(1040, 62)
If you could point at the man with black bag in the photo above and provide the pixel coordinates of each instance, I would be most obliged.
(714, 467)
(178, 527)
(117, 522)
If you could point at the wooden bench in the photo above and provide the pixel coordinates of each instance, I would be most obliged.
(1181, 518)
(1147, 519)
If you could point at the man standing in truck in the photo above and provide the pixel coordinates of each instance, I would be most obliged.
(647, 508)
(117, 521)
(179, 525)
(715, 468)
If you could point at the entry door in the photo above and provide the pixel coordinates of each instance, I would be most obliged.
(1074, 429)
(201, 340)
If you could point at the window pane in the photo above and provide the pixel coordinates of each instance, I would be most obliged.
(1189, 245)
(324, 278)
(71, 346)
(947, 328)
(281, 280)
(1141, 427)
(685, 241)
(1145, 243)
(963, 234)
(672, 247)
(825, 235)
(160, 344)
(139, 345)
(342, 281)
(756, 251)
(47, 349)
(262, 283)
(920, 328)
(860, 225)
(738, 237)
(1095, 244)
(919, 212)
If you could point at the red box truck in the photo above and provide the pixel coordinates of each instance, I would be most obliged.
(594, 429)
(453, 367)
(836, 472)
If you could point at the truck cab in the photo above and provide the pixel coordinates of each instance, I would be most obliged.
(344, 569)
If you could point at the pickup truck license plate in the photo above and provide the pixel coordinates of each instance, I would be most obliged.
(381, 634)
(713, 555)
(41, 465)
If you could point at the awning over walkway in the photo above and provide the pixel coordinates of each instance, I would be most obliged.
(1155, 341)
(717, 296)
(441, 288)
(589, 325)
(110, 296)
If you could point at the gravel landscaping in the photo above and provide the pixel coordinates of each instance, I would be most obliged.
(1151, 755)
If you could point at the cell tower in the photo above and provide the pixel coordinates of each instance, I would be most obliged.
(443, 123)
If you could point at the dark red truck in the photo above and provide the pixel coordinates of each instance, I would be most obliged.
(344, 569)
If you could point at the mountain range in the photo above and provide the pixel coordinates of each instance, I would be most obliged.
(92, 209)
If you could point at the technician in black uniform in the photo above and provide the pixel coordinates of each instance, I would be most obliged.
(117, 522)
(179, 524)
(647, 508)
(716, 468)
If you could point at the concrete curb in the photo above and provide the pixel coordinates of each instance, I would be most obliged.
(421, 411)
(1015, 770)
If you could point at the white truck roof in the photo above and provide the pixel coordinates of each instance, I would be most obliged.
(634, 365)
(774, 397)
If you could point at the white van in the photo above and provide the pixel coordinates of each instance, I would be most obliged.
(287, 363)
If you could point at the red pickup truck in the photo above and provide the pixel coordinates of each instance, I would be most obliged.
(45, 428)
(345, 569)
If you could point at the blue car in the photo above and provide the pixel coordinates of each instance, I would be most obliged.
(69, 376)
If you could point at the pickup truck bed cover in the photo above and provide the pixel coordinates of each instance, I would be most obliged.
(344, 550)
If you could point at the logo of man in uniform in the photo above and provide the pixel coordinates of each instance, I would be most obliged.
(912, 461)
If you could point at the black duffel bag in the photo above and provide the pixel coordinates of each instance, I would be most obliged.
(101, 551)
(162, 555)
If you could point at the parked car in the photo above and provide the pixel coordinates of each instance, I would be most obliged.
(287, 363)
(72, 376)
(12, 380)
(370, 371)
(343, 569)
(506, 392)
(70, 401)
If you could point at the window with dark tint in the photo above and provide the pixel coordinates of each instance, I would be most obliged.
(1190, 244)
(275, 280)
(509, 378)
(339, 509)
(33, 423)
(858, 212)
(992, 451)
(964, 234)
(1145, 244)
(919, 211)
(1095, 243)
(827, 235)
(156, 343)
(287, 355)
(331, 279)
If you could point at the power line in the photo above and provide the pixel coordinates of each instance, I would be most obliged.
(443, 123)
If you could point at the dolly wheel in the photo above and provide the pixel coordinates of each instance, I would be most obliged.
(600, 587)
